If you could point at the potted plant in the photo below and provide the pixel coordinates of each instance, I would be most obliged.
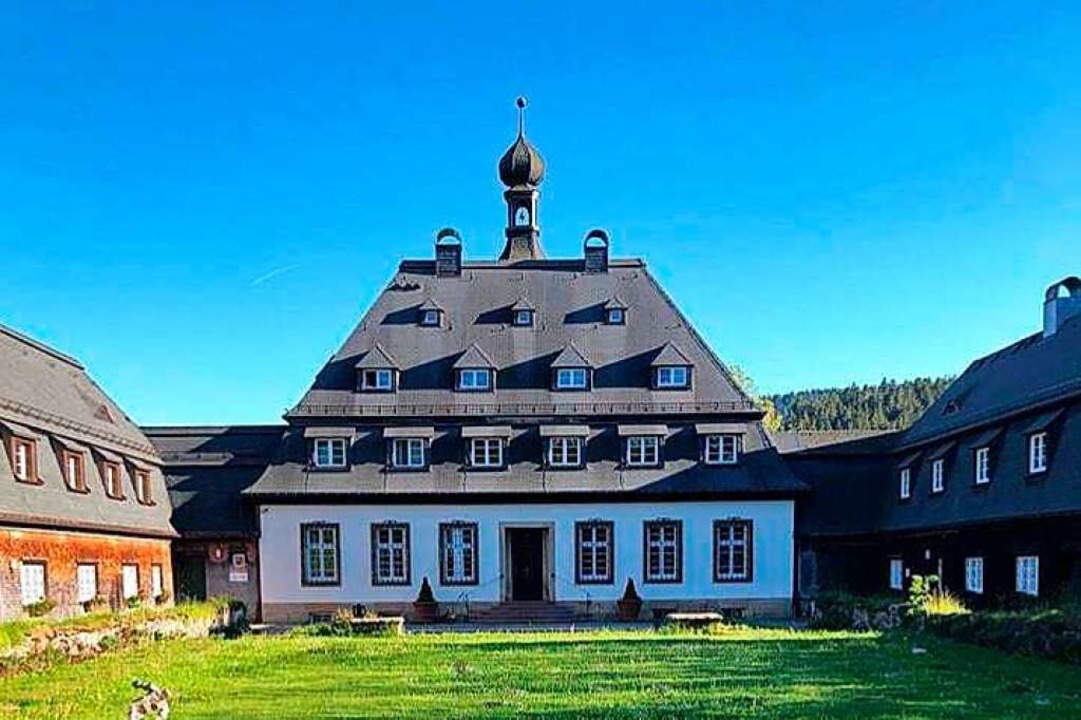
(425, 607)
(630, 605)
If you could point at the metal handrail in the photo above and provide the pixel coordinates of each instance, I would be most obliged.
(519, 408)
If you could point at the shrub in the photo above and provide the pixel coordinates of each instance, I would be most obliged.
(843, 611)
(41, 608)
(1050, 634)
(943, 602)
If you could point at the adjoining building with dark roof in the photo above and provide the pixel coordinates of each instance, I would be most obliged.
(524, 429)
(207, 470)
(984, 490)
(84, 514)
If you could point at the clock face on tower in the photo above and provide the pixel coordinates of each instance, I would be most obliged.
(521, 216)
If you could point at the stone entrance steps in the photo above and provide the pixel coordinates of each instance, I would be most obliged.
(526, 612)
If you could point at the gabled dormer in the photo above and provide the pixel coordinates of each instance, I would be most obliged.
(571, 370)
(523, 314)
(671, 369)
(429, 314)
(377, 371)
(615, 312)
(474, 371)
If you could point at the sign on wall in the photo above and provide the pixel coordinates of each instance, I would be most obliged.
(238, 568)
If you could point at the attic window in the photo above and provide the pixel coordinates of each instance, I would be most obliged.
(572, 378)
(474, 379)
(523, 318)
(377, 380)
(24, 460)
(616, 316)
(431, 318)
(951, 407)
(74, 471)
(110, 476)
(673, 377)
(141, 481)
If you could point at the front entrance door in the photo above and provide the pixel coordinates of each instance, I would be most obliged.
(526, 563)
(189, 576)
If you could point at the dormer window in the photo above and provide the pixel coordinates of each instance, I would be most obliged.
(110, 476)
(486, 453)
(474, 379)
(905, 490)
(409, 453)
(1037, 453)
(616, 316)
(329, 453)
(566, 452)
(377, 380)
(572, 379)
(141, 481)
(430, 318)
(674, 377)
(523, 318)
(938, 476)
(74, 470)
(721, 449)
(24, 461)
(643, 451)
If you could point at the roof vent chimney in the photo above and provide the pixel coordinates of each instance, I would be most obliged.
(448, 253)
(1062, 301)
(596, 251)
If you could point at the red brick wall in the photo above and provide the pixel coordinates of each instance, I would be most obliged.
(63, 551)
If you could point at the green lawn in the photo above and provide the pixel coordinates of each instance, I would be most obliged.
(753, 673)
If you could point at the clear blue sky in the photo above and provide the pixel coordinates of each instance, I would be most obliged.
(200, 201)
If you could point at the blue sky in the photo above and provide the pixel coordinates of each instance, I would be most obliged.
(199, 201)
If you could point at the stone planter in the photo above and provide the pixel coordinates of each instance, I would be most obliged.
(628, 609)
(425, 612)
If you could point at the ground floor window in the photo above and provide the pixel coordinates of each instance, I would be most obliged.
(897, 574)
(320, 554)
(32, 580)
(458, 553)
(974, 574)
(663, 551)
(732, 545)
(1028, 575)
(593, 552)
(129, 581)
(390, 554)
(86, 580)
(156, 589)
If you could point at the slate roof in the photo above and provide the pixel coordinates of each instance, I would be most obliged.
(670, 355)
(48, 395)
(477, 306)
(571, 357)
(474, 357)
(761, 471)
(208, 468)
(376, 359)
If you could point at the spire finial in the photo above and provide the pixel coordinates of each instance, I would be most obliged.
(522, 103)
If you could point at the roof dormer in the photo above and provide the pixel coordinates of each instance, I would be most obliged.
(571, 370)
(615, 312)
(671, 369)
(523, 314)
(377, 371)
(430, 314)
(474, 371)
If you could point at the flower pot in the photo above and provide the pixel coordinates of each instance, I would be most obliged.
(628, 610)
(426, 612)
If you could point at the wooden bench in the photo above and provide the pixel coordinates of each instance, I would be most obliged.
(693, 621)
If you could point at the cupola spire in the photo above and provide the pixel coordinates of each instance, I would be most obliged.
(521, 170)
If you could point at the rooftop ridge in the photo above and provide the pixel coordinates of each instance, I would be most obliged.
(40, 346)
(211, 429)
(540, 264)
(31, 413)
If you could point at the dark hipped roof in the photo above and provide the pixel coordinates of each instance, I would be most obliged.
(474, 357)
(376, 359)
(49, 396)
(476, 306)
(571, 357)
(208, 468)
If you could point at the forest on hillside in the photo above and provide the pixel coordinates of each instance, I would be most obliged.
(889, 405)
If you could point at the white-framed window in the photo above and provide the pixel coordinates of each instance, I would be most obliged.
(430, 318)
(938, 476)
(676, 376)
(722, 449)
(409, 453)
(32, 582)
(474, 379)
(643, 451)
(593, 551)
(1028, 575)
(664, 551)
(897, 574)
(486, 452)
(86, 582)
(572, 378)
(129, 581)
(906, 483)
(732, 550)
(23, 459)
(156, 582)
(523, 318)
(329, 452)
(983, 465)
(564, 452)
(74, 470)
(111, 475)
(616, 316)
(379, 379)
(974, 574)
(142, 487)
(458, 553)
(1037, 452)
(320, 554)
(390, 554)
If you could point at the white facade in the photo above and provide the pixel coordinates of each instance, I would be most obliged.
(280, 550)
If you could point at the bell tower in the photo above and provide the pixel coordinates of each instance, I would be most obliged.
(521, 170)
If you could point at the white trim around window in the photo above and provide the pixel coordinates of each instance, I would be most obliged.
(329, 452)
(565, 452)
(474, 379)
(905, 489)
(1037, 453)
(86, 582)
(673, 376)
(390, 554)
(378, 379)
(129, 581)
(938, 475)
(32, 582)
(982, 460)
(643, 451)
(408, 453)
(1028, 575)
(897, 574)
(572, 378)
(974, 575)
(721, 449)
(486, 452)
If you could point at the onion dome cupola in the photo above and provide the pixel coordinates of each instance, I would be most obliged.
(521, 170)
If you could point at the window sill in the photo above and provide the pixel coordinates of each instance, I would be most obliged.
(78, 490)
(677, 581)
(583, 581)
(28, 481)
(733, 581)
(328, 468)
(458, 583)
(390, 583)
(395, 470)
(707, 463)
(320, 583)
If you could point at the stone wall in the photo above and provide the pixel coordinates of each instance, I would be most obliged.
(62, 551)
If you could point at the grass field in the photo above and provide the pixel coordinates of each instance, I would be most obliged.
(753, 673)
